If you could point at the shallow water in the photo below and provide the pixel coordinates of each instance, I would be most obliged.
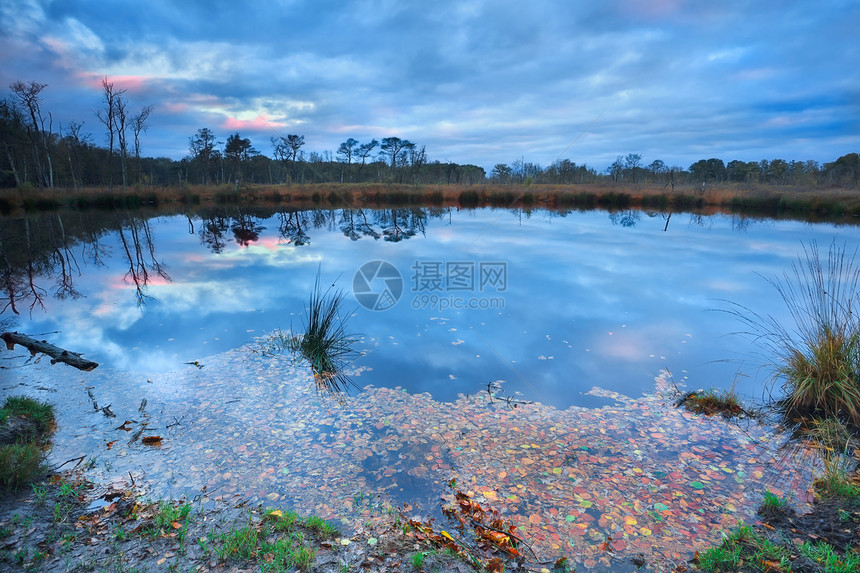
(587, 312)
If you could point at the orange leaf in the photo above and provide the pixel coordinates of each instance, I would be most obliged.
(151, 440)
(534, 519)
(176, 525)
(497, 538)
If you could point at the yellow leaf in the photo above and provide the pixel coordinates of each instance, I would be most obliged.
(447, 535)
(630, 520)
(491, 495)
(277, 513)
(644, 531)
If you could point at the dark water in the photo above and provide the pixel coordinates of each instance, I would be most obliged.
(548, 304)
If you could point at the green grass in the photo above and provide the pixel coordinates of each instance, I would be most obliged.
(321, 527)
(817, 355)
(40, 414)
(280, 521)
(743, 546)
(286, 553)
(417, 559)
(240, 544)
(276, 543)
(831, 561)
(772, 506)
(169, 516)
(836, 485)
(19, 464)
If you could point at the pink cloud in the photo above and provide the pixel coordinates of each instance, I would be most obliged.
(128, 83)
(259, 123)
(175, 107)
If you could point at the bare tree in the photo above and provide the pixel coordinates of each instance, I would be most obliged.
(120, 125)
(108, 115)
(139, 123)
(28, 95)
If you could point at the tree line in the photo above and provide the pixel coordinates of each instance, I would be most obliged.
(36, 153)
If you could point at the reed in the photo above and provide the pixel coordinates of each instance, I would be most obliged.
(325, 343)
(818, 353)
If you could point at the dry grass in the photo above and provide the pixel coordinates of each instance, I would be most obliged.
(770, 200)
(818, 353)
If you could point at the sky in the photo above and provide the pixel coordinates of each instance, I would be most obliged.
(475, 81)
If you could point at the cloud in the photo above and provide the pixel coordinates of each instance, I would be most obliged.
(477, 82)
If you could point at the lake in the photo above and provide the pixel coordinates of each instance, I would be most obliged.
(531, 355)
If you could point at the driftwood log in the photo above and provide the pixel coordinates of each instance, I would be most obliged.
(56, 353)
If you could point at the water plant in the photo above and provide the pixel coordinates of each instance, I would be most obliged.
(325, 344)
(713, 401)
(818, 354)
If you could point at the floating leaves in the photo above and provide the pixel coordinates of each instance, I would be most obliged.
(657, 480)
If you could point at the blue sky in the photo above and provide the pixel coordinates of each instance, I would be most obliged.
(480, 82)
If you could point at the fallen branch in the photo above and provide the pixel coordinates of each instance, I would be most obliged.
(79, 460)
(56, 353)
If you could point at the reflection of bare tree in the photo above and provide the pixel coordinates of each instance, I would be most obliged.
(26, 254)
(212, 233)
(65, 258)
(700, 220)
(354, 224)
(139, 250)
(400, 224)
(627, 218)
(740, 223)
(292, 227)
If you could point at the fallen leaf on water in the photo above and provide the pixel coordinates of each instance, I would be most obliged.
(151, 440)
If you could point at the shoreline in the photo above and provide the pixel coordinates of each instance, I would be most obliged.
(754, 200)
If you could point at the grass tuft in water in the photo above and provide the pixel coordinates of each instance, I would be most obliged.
(712, 401)
(818, 355)
(325, 343)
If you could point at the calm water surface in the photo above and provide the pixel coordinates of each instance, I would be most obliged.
(577, 300)
(545, 306)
